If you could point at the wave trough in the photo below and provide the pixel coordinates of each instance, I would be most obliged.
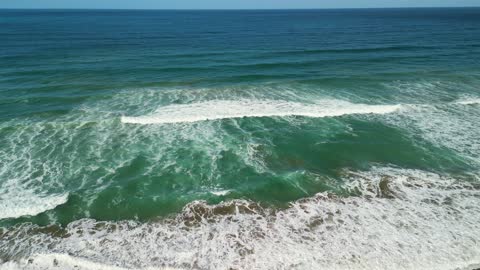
(226, 109)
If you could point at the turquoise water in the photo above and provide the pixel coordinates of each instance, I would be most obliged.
(318, 139)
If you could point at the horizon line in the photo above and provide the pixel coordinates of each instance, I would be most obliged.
(241, 9)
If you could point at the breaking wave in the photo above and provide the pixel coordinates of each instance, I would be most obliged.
(224, 109)
(27, 203)
(469, 101)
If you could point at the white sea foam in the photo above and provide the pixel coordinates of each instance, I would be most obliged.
(65, 262)
(469, 101)
(401, 219)
(223, 109)
(27, 203)
(220, 192)
(27, 184)
(449, 125)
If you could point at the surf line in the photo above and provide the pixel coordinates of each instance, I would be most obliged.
(227, 109)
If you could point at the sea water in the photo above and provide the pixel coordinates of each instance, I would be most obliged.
(295, 139)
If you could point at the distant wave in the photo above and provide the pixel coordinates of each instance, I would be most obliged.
(225, 109)
(469, 101)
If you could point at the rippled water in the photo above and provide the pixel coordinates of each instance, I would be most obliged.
(323, 139)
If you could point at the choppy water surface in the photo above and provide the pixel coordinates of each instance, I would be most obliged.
(323, 139)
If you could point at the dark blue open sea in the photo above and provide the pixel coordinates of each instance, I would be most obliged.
(288, 139)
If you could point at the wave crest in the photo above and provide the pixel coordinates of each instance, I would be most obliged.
(225, 109)
(27, 203)
(469, 101)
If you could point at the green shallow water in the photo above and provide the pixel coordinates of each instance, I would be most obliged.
(109, 170)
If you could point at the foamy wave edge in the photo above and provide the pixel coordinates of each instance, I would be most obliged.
(66, 262)
(469, 101)
(228, 109)
(400, 219)
(19, 205)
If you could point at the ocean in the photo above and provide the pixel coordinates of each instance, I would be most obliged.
(249, 139)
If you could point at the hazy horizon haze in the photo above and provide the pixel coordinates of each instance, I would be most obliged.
(217, 4)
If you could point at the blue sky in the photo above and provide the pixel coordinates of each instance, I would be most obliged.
(230, 4)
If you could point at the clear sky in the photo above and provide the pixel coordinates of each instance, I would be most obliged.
(231, 4)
